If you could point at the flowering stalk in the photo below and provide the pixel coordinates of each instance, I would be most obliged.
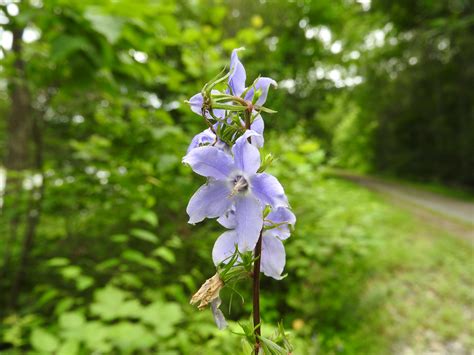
(250, 203)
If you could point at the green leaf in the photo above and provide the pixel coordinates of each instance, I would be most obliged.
(139, 258)
(43, 341)
(109, 26)
(108, 302)
(70, 347)
(58, 262)
(146, 216)
(163, 316)
(166, 254)
(71, 272)
(64, 46)
(144, 235)
(83, 282)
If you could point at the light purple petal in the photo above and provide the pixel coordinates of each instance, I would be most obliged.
(282, 215)
(238, 76)
(209, 161)
(210, 200)
(224, 247)
(196, 103)
(249, 217)
(269, 190)
(281, 219)
(217, 313)
(227, 220)
(258, 125)
(273, 257)
(281, 232)
(246, 155)
(262, 84)
(206, 137)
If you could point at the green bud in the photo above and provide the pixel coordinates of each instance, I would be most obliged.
(267, 161)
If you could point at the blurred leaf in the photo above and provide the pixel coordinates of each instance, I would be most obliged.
(70, 347)
(145, 215)
(43, 341)
(163, 316)
(165, 253)
(109, 26)
(65, 45)
(144, 235)
(108, 302)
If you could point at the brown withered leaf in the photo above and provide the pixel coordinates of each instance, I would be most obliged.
(208, 292)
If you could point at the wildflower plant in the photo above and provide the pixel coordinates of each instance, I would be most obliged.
(250, 203)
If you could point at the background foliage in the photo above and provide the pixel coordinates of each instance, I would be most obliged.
(96, 252)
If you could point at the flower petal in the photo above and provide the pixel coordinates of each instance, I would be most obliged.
(282, 215)
(269, 190)
(228, 219)
(258, 124)
(209, 161)
(196, 103)
(273, 257)
(281, 219)
(217, 313)
(262, 84)
(249, 217)
(238, 76)
(210, 200)
(224, 247)
(206, 137)
(246, 155)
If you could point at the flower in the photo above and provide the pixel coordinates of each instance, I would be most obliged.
(238, 77)
(234, 181)
(273, 257)
(207, 137)
(236, 87)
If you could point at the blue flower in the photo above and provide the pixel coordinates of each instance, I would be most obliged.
(233, 181)
(277, 228)
(238, 77)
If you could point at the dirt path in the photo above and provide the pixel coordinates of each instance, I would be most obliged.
(452, 215)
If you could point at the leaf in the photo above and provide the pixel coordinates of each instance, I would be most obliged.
(108, 302)
(144, 235)
(43, 341)
(131, 336)
(70, 347)
(58, 262)
(163, 316)
(83, 282)
(71, 320)
(145, 215)
(139, 258)
(64, 46)
(71, 272)
(119, 238)
(166, 254)
(109, 26)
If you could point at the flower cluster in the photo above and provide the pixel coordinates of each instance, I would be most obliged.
(250, 203)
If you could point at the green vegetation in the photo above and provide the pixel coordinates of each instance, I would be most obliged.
(95, 251)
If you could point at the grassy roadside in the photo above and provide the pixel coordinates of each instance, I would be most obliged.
(418, 296)
(455, 192)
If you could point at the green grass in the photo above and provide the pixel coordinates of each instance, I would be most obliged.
(418, 290)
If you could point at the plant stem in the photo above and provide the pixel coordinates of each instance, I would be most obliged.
(256, 293)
